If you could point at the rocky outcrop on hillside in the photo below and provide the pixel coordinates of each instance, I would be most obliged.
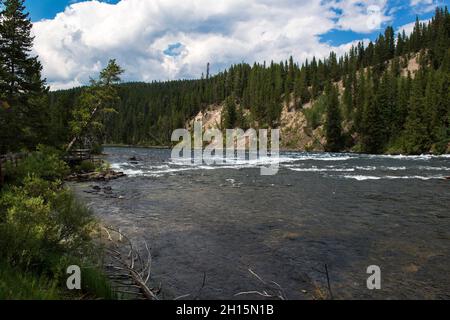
(211, 118)
(294, 129)
(296, 132)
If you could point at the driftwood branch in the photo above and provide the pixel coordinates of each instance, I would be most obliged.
(134, 268)
(199, 291)
(272, 289)
(131, 270)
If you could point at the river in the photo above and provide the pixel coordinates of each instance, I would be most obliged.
(346, 211)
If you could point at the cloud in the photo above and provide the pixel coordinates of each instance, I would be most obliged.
(409, 27)
(170, 39)
(423, 6)
(361, 16)
(421, 2)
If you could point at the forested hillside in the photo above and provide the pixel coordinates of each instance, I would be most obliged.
(366, 100)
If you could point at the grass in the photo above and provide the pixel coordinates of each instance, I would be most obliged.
(94, 282)
(18, 285)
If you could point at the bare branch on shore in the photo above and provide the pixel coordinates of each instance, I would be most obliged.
(131, 265)
(272, 289)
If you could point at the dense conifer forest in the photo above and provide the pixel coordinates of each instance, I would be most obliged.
(381, 107)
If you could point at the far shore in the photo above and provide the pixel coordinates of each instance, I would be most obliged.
(118, 145)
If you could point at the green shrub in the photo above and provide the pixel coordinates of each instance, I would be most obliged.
(357, 148)
(38, 220)
(441, 141)
(44, 163)
(314, 115)
(85, 166)
(97, 149)
(396, 146)
(439, 147)
(105, 166)
(43, 230)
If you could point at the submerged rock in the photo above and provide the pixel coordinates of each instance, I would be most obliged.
(134, 160)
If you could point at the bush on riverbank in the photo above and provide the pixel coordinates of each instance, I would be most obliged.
(85, 167)
(44, 163)
(43, 230)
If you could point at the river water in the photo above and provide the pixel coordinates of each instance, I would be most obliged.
(347, 211)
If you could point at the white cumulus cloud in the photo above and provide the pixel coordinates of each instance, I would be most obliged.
(422, 6)
(170, 39)
(409, 28)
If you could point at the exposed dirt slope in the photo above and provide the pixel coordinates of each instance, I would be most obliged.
(296, 134)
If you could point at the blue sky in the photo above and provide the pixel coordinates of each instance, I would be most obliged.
(171, 39)
(403, 13)
(47, 9)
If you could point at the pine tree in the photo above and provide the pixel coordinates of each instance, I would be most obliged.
(20, 80)
(416, 133)
(385, 100)
(301, 92)
(437, 107)
(360, 102)
(334, 67)
(333, 128)
(229, 114)
(416, 36)
(315, 86)
(289, 83)
(399, 50)
(94, 103)
(373, 125)
(402, 103)
(440, 37)
(348, 97)
(389, 35)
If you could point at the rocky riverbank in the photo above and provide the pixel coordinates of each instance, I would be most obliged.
(95, 176)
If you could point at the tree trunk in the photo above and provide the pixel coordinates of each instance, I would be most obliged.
(75, 139)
